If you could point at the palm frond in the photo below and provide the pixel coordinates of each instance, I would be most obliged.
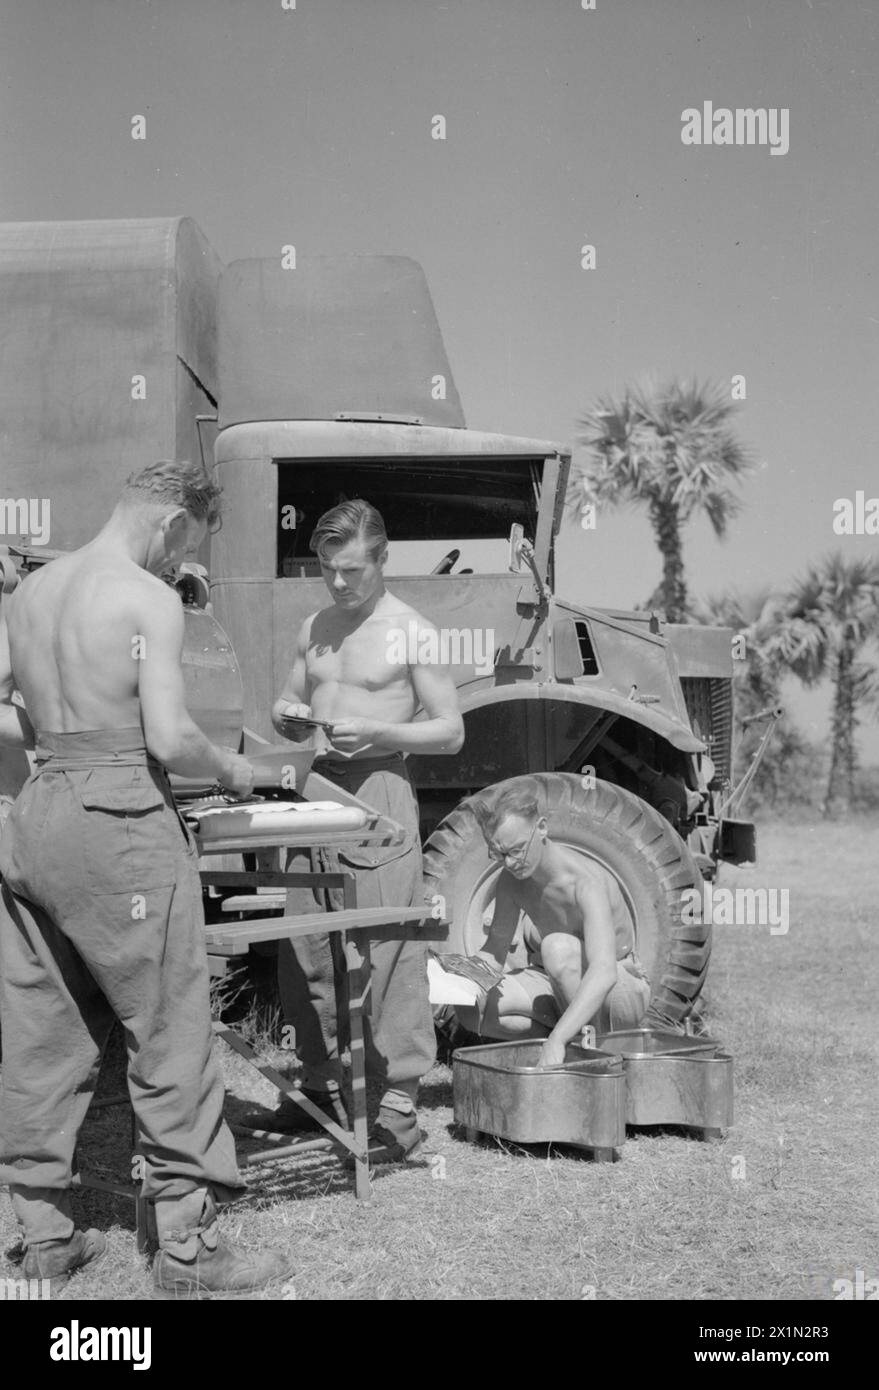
(672, 444)
(833, 606)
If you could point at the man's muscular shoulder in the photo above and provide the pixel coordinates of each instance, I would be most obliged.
(578, 867)
(97, 590)
(146, 588)
(397, 610)
(147, 600)
(316, 626)
(576, 880)
(398, 614)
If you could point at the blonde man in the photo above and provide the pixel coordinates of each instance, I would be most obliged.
(345, 673)
(101, 914)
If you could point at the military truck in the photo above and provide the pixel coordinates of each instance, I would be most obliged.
(107, 363)
(328, 378)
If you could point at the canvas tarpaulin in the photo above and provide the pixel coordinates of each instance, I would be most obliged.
(335, 335)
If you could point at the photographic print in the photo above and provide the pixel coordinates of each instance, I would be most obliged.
(439, 664)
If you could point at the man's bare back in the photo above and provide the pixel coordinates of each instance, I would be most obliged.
(93, 644)
(94, 640)
(71, 630)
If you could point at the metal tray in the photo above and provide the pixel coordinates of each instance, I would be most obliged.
(521, 1058)
(673, 1079)
(652, 1042)
(499, 1089)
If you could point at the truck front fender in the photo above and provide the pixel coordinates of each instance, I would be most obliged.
(481, 694)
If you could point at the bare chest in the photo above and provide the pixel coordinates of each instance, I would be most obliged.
(359, 658)
(551, 910)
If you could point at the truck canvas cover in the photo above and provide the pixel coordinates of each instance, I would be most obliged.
(87, 307)
(336, 335)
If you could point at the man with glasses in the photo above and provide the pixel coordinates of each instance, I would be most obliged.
(582, 965)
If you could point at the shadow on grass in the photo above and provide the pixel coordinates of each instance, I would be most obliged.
(675, 1132)
(540, 1152)
(106, 1146)
(323, 1174)
(435, 1094)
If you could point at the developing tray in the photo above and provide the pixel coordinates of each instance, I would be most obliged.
(673, 1079)
(498, 1089)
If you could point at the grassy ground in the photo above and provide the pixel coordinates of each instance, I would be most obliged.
(781, 1208)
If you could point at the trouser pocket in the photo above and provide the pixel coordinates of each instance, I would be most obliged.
(128, 843)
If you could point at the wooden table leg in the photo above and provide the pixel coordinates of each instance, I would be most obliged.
(358, 963)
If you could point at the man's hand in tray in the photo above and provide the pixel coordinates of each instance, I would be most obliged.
(237, 777)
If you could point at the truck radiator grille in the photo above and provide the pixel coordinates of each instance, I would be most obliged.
(709, 705)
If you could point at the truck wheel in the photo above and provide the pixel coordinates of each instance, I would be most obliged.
(621, 834)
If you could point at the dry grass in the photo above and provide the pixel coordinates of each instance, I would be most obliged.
(671, 1221)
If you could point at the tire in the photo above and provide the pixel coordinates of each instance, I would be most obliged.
(618, 831)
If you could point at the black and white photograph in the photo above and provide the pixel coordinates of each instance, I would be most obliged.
(439, 667)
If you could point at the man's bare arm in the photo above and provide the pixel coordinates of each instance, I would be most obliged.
(601, 973)
(172, 736)
(16, 730)
(443, 729)
(294, 695)
(503, 925)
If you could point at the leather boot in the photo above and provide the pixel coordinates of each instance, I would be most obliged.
(56, 1260)
(223, 1271)
(395, 1137)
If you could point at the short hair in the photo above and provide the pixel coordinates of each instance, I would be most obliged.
(350, 521)
(515, 801)
(176, 484)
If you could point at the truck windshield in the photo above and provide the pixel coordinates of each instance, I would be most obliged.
(430, 506)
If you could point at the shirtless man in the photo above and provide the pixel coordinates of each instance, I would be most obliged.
(101, 914)
(584, 969)
(343, 673)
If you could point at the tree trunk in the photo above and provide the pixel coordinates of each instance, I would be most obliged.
(840, 783)
(667, 529)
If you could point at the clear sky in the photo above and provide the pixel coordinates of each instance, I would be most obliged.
(313, 127)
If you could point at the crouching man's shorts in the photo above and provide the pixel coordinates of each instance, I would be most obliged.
(624, 1007)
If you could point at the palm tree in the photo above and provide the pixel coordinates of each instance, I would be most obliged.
(757, 616)
(832, 620)
(672, 449)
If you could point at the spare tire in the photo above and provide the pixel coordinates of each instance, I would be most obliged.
(617, 831)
